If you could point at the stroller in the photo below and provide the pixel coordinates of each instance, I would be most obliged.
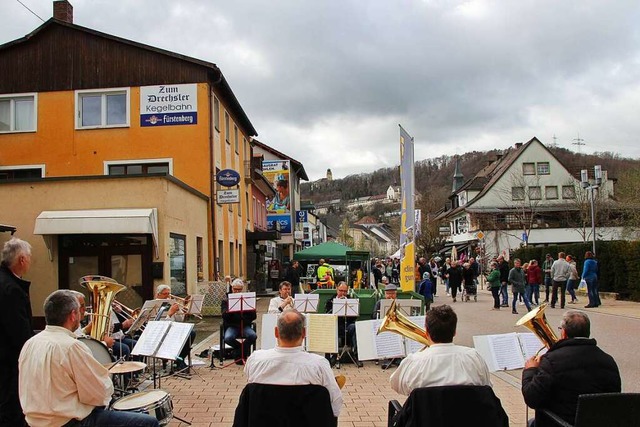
(469, 290)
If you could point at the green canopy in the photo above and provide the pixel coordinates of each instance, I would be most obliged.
(329, 251)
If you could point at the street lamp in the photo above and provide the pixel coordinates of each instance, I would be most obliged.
(591, 186)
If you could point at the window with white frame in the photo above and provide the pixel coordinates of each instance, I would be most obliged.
(568, 192)
(535, 193)
(543, 168)
(11, 173)
(517, 193)
(102, 108)
(18, 113)
(528, 168)
(551, 192)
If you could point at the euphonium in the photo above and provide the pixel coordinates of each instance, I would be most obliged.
(536, 322)
(395, 321)
(103, 291)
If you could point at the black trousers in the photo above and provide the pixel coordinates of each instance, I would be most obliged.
(554, 293)
(10, 410)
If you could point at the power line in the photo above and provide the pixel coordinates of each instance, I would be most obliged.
(35, 14)
(579, 142)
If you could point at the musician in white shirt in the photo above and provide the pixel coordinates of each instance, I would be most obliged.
(443, 363)
(283, 301)
(289, 364)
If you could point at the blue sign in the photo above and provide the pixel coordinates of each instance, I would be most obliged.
(168, 119)
(301, 216)
(283, 220)
(228, 178)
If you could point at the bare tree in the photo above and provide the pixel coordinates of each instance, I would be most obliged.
(344, 236)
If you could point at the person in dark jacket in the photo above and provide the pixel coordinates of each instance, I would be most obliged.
(454, 274)
(238, 324)
(292, 275)
(572, 366)
(469, 278)
(15, 326)
(503, 266)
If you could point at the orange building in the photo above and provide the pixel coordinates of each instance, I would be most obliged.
(109, 152)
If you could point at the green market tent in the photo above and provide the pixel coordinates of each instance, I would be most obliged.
(329, 251)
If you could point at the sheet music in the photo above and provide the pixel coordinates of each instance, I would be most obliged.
(267, 331)
(242, 301)
(306, 303)
(411, 345)
(322, 333)
(387, 344)
(506, 351)
(142, 318)
(150, 338)
(349, 307)
(153, 305)
(530, 344)
(196, 302)
(174, 340)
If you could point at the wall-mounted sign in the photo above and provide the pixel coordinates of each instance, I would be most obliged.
(228, 178)
(301, 216)
(228, 196)
(169, 105)
(279, 207)
(283, 221)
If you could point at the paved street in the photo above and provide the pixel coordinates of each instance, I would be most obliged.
(210, 397)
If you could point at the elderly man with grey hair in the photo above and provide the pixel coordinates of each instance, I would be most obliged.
(289, 364)
(15, 325)
(61, 383)
(572, 366)
(174, 313)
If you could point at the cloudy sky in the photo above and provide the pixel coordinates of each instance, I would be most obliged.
(327, 82)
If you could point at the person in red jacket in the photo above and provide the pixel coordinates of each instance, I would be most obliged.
(534, 280)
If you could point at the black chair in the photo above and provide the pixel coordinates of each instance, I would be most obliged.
(222, 353)
(601, 409)
(452, 406)
(284, 406)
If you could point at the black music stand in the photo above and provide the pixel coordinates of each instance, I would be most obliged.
(240, 302)
(350, 308)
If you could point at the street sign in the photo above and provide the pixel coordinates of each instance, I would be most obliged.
(479, 235)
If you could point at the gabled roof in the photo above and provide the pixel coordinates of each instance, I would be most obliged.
(297, 165)
(217, 79)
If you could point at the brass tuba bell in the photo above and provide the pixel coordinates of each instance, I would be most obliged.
(103, 291)
(536, 322)
(395, 321)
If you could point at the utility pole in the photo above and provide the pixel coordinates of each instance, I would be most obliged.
(579, 142)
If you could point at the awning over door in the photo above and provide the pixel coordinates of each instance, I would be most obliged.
(100, 221)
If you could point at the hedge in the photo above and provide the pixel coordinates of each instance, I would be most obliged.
(619, 263)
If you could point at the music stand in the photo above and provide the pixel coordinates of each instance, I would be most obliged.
(346, 307)
(195, 305)
(239, 303)
(306, 303)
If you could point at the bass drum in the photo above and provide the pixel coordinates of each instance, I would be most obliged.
(156, 403)
(98, 349)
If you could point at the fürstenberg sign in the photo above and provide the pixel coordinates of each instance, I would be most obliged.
(169, 105)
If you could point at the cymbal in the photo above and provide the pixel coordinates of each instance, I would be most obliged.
(125, 367)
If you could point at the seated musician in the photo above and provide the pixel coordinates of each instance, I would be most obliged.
(175, 313)
(283, 301)
(443, 363)
(346, 325)
(390, 292)
(289, 364)
(117, 341)
(59, 379)
(237, 324)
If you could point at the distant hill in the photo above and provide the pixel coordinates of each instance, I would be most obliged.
(437, 174)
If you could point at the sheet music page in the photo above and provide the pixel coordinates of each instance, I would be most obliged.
(140, 320)
(243, 301)
(150, 338)
(506, 351)
(530, 344)
(353, 307)
(415, 346)
(306, 303)
(322, 333)
(340, 306)
(174, 340)
(196, 304)
(267, 331)
(387, 344)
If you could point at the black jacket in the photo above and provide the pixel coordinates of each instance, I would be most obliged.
(504, 271)
(343, 321)
(570, 368)
(455, 276)
(235, 318)
(15, 316)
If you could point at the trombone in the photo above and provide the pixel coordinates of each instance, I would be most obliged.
(126, 311)
(184, 304)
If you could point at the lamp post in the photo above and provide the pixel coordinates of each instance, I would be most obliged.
(591, 186)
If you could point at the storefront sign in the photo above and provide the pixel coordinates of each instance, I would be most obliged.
(169, 105)
(228, 178)
(228, 196)
(279, 207)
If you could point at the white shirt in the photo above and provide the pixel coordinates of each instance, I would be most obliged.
(439, 365)
(293, 366)
(274, 305)
(59, 379)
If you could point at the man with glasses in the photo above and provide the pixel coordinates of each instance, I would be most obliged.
(572, 366)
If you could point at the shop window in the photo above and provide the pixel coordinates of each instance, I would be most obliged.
(178, 263)
(18, 113)
(101, 109)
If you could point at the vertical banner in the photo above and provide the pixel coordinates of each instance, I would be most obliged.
(279, 207)
(407, 214)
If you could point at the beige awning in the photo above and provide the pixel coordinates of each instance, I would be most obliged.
(100, 221)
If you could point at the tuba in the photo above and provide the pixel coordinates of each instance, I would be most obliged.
(536, 322)
(103, 291)
(395, 321)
